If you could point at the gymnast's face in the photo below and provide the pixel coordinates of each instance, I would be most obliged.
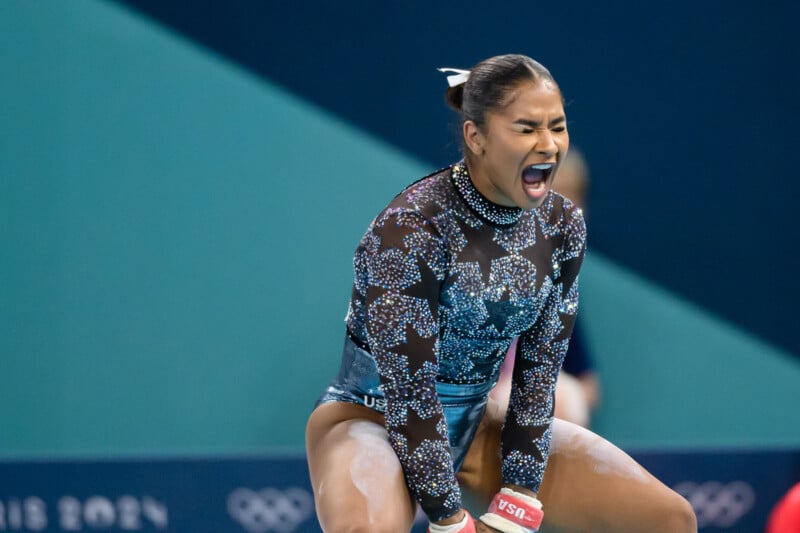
(513, 158)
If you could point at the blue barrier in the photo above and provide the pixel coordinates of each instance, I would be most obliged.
(178, 495)
(731, 492)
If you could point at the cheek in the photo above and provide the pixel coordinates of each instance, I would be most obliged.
(510, 153)
(563, 143)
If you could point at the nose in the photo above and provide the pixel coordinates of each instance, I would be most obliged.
(545, 143)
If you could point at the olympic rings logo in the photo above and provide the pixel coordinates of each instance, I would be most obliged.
(717, 504)
(270, 509)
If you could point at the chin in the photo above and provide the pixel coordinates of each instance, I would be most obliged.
(533, 203)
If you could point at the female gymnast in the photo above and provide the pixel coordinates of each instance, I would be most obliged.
(446, 276)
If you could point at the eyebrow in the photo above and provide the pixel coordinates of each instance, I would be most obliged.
(536, 124)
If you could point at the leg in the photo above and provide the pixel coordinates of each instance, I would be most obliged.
(356, 476)
(589, 484)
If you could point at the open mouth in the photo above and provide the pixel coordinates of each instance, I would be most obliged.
(534, 179)
(536, 173)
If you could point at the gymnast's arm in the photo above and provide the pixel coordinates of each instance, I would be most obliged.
(405, 268)
(540, 352)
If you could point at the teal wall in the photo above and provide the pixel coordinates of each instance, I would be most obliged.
(176, 240)
(175, 256)
(676, 376)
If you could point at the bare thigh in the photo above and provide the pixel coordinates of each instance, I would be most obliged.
(356, 476)
(589, 485)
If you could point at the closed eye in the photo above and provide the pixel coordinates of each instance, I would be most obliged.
(558, 125)
(557, 129)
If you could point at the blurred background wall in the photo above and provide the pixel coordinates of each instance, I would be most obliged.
(182, 186)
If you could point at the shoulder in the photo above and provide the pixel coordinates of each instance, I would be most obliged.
(567, 216)
(423, 200)
(425, 193)
(435, 177)
(573, 215)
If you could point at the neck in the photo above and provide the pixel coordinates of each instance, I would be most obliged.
(480, 178)
(489, 211)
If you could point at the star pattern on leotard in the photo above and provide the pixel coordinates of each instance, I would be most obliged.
(389, 314)
(500, 312)
(438, 294)
(531, 447)
(546, 215)
(480, 250)
(519, 467)
(415, 345)
(533, 399)
(543, 263)
(426, 285)
(425, 477)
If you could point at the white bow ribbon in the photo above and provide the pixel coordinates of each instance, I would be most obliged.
(458, 78)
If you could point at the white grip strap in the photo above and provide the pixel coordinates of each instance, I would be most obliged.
(524, 497)
(452, 528)
(503, 524)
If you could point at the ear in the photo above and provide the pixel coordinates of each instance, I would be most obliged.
(474, 138)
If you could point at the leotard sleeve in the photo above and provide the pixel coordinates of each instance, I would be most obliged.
(404, 258)
(541, 350)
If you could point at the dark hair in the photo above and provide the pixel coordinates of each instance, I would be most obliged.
(490, 85)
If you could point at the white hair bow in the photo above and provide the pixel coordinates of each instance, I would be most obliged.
(458, 78)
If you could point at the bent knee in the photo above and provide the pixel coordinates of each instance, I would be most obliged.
(679, 516)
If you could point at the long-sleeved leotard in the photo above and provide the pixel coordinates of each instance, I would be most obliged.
(444, 280)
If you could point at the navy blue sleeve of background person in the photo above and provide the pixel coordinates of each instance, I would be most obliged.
(578, 360)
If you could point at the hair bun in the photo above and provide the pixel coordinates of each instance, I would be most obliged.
(454, 96)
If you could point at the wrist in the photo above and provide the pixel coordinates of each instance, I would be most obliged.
(453, 525)
(514, 512)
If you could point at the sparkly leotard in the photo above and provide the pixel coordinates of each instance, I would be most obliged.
(444, 280)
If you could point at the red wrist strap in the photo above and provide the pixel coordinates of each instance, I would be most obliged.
(470, 527)
(516, 510)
